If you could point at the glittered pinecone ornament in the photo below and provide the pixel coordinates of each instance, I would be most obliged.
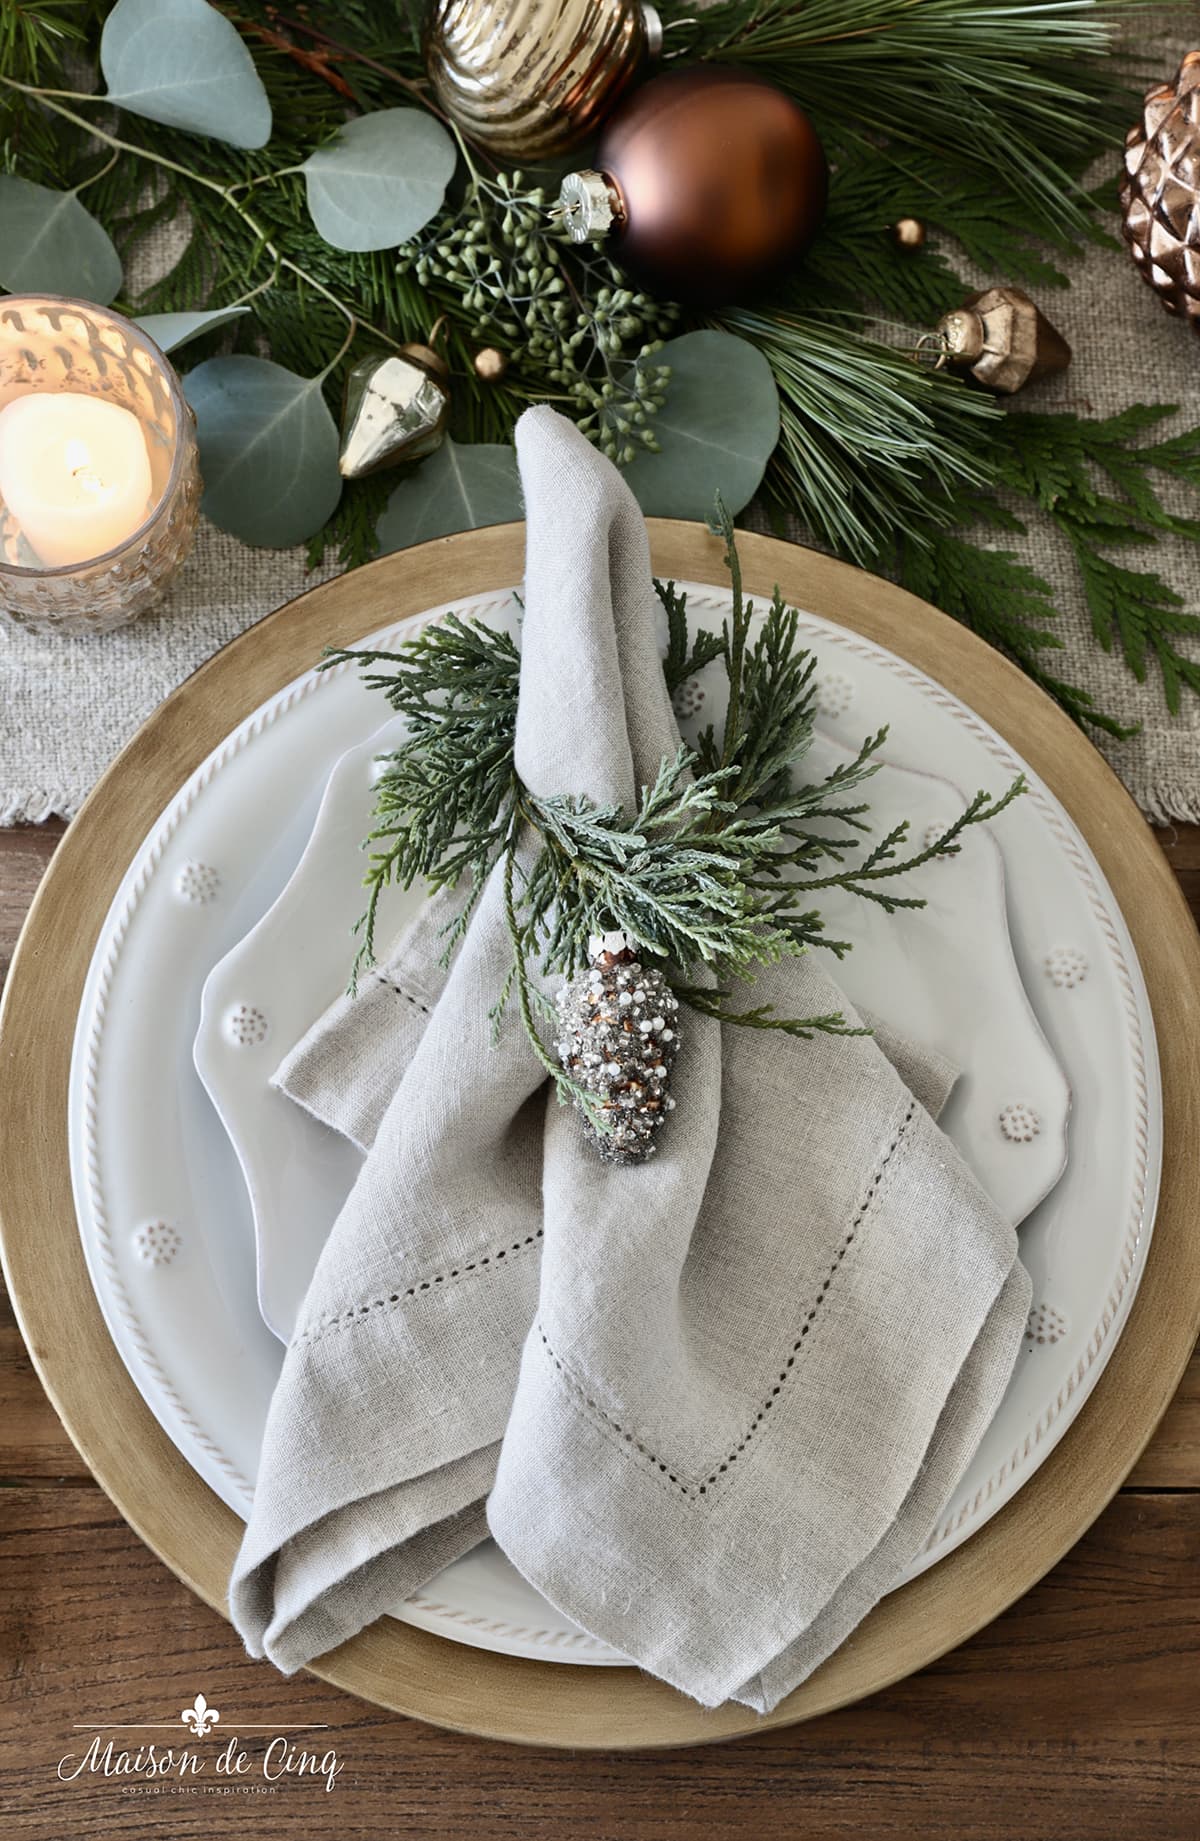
(394, 410)
(618, 1036)
(1002, 339)
(528, 79)
(1160, 191)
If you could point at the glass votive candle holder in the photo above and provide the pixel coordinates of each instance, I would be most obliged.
(93, 529)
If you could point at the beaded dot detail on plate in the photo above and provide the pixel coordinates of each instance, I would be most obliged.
(1020, 1124)
(197, 882)
(1066, 967)
(688, 699)
(1045, 1324)
(835, 693)
(157, 1243)
(930, 836)
(245, 1026)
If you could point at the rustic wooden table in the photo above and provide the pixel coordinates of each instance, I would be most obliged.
(1074, 1715)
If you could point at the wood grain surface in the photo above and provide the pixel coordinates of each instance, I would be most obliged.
(1074, 1714)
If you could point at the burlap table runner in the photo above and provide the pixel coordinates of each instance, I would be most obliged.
(67, 706)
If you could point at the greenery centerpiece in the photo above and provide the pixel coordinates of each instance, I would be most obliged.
(318, 209)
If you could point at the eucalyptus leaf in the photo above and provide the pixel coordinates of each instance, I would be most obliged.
(169, 330)
(456, 489)
(717, 428)
(380, 180)
(268, 449)
(50, 245)
(183, 63)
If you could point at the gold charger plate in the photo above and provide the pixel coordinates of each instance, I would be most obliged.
(180, 1518)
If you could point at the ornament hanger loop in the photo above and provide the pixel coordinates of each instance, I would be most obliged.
(674, 25)
(933, 351)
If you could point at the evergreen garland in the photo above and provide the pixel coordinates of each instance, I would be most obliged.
(979, 116)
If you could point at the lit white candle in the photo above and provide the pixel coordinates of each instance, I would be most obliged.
(74, 473)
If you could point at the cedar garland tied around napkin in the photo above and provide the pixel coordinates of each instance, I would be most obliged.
(713, 875)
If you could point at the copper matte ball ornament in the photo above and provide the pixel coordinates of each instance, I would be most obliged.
(708, 185)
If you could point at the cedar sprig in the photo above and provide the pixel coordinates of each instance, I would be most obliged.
(715, 871)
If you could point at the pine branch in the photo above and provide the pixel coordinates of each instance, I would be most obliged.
(713, 1003)
(38, 34)
(1023, 93)
(870, 443)
(855, 261)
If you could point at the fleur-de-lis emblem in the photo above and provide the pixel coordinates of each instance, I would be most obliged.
(200, 1716)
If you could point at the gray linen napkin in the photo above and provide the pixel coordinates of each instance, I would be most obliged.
(713, 1403)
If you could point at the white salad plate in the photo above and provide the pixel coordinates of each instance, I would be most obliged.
(230, 933)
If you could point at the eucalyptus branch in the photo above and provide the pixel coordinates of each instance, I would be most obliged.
(50, 99)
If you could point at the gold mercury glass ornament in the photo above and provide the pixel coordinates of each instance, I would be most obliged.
(395, 409)
(489, 364)
(1001, 338)
(528, 79)
(908, 233)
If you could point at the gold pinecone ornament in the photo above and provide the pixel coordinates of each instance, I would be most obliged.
(1160, 191)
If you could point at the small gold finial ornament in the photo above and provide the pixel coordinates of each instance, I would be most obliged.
(1160, 191)
(395, 408)
(908, 233)
(530, 79)
(489, 364)
(1002, 339)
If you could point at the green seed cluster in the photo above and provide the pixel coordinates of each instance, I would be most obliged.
(568, 317)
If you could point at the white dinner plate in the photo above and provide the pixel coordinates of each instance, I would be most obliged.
(166, 1220)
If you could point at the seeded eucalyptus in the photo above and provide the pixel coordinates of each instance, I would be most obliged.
(582, 327)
